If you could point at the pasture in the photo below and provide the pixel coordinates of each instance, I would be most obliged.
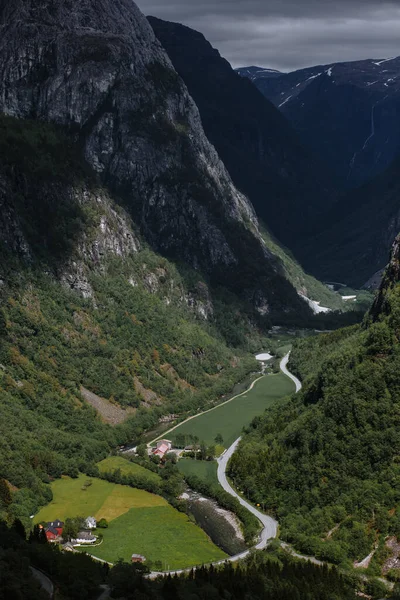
(113, 463)
(229, 419)
(101, 499)
(160, 534)
(206, 470)
(139, 522)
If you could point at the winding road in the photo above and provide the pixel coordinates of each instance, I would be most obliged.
(270, 525)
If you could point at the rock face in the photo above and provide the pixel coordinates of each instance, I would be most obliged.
(355, 239)
(259, 147)
(347, 112)
(96, 68)
(390, 279)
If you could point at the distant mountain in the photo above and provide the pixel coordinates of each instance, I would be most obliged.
(256, 73)
(358, 232)
(348, 113)
(259, 147)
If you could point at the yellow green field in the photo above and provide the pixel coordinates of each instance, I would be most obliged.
(139, 522)
(101, 500)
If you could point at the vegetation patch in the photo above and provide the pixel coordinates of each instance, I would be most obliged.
(206, 470)
(162, 534)
(101, 499)
(117, 463)
(230, 418)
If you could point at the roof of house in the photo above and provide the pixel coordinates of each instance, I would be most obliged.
(162, 449)
(139, 556)
(57, 523)
(52, 530)
(91, 519)
(85, 535)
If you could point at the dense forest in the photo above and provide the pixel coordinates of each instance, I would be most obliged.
(263, 576)
(327, 462)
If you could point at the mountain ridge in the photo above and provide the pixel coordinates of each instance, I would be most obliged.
(345, 111)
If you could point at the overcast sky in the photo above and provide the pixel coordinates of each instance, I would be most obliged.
(289, 34)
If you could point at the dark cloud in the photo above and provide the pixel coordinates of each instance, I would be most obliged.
(289, 34)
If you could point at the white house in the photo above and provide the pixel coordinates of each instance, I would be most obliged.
(84, 537)
(90, 523)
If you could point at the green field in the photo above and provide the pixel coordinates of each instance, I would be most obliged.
(160, 533)
(230, 418)
(113, 463)
(139, 522)
(101, 500)
(206, 470)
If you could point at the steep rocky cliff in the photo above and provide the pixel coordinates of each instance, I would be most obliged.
(96, 69)
(381, 307)
(259, 147)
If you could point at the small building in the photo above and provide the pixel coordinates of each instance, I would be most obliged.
(52, 534)
(163, 446)
(84, 537)
(53, 530)
(90, 523)
(56, 524)
(138, 558)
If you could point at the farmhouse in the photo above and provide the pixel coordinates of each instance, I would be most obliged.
(52, 534)
(163, 446)
(84, 537)
(53, 530)
(90, 523)
(138, 558)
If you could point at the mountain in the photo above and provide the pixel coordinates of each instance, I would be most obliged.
(356, 235)
(261, 151)
(327, 462)
(112, 86)
(347, 113)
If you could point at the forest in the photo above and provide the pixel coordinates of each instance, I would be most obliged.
(263, 576)
(327, 462)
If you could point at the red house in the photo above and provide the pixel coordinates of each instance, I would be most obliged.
(52, 534)
(54, 530)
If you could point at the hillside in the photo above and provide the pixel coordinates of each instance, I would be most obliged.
(347, 113)
(327, 463)
(263, 154)
(85, 302)
(355, 237)
(141, 133)
(134, 279)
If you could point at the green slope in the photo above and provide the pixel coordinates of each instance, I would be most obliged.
(327, 463)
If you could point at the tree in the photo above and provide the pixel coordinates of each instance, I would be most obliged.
(219, 440)
(38, 535)
(103, 523)
(203, 451)
(141, 450)
(19, 529)
(5, 494)
(72, 527)
(211, 452)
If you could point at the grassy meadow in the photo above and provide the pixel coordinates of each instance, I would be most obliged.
(139, 522)
(230, 418)
(113, 463)
(160, 534)
(204, 469)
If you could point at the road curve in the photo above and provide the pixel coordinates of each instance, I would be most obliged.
(44, 581)
(270, 525)
(284, 369)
